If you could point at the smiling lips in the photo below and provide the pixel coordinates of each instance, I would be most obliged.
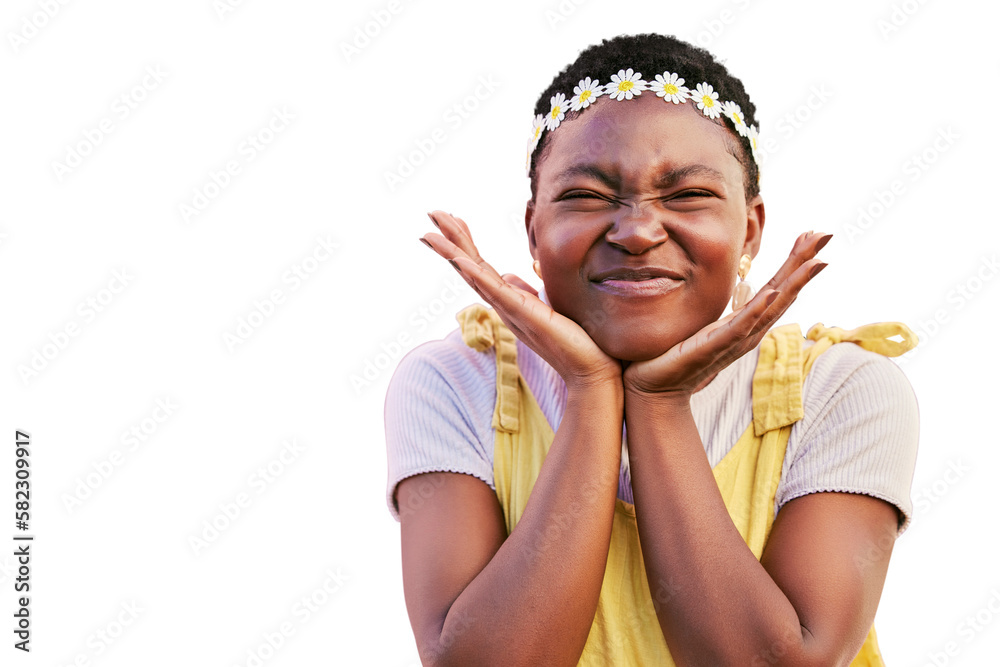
(637, 282)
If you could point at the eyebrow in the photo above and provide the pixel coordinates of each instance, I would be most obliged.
(591, 170)
(666, 179)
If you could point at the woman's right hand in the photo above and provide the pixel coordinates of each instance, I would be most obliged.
(557, 339)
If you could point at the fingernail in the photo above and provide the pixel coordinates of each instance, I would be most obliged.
(816, 269)
(455, 264)
(823, 241)
(434, 221)
(426, 243)
(771, 297)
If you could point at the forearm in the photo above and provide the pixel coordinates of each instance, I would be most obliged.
(534, 603)
(724, 607)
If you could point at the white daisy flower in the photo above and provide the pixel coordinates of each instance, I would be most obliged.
(625, 85)
(670, 88)
(731, 110)
(754, 143)
(537, 126)
(707, 99)
(585, 93)
(557, 112)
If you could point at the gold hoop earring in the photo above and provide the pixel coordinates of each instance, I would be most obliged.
(537, 266)
(743, 292)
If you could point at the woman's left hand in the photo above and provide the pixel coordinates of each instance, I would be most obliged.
(692, 363)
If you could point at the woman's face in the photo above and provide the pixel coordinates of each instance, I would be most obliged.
(639, 221)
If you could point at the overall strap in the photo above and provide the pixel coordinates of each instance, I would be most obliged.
(750, 472)
(481, 330)
(876, 337)
(523, 434)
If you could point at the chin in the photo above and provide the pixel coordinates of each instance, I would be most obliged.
(632, 343)
(644, 336)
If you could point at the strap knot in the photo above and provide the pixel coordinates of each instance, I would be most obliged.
(875, 337)
(482, 329)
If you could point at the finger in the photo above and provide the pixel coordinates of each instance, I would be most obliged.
(520, 310)
(456, 232)
(438, 215)
(445, 248)
(717, 344)
(745, 327)
(728, 338)
(486, 281)
(768, 305)
(722, 342)
(806, 247)
(442, 245)
(490, 285)
(789, 290)
(514, 280)
(461, 223)
(449, 251)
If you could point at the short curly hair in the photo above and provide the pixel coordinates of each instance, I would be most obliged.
(651, 54)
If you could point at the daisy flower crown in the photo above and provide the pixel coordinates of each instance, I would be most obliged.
(628, 84)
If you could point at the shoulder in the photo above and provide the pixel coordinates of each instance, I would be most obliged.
(438, 413)
(859, 432)
(848, 372)
(449, 369)
(448, 362)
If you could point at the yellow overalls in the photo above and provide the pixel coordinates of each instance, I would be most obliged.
(625, 629)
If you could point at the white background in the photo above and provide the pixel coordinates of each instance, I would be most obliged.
(889, 92)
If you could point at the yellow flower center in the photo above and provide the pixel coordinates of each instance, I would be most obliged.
(736, 118)
(555, 112)
(671, 89)
(625, 85)
(707, 101)
(585, 95)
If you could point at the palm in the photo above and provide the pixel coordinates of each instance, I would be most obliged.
(557, 339)
(690, 364)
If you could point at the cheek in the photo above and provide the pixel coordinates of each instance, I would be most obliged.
(563, 248)
(714, 248)
(716, 259)
(563, 251)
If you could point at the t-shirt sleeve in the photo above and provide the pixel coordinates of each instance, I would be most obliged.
(859, 433)
(438, 414)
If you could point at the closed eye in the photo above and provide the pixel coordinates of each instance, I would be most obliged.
(692, 193)
(584, 195)
(587, 201)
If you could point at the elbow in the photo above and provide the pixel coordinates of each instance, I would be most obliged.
(452, 645)
(442, 650)
(448, 652)
(435, 656)
(800, 649)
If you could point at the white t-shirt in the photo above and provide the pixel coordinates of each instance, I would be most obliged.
(858, 435)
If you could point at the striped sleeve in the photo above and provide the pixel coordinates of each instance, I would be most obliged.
(859, 433)
(438, 413)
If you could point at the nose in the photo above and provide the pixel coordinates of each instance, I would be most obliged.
(637, 228)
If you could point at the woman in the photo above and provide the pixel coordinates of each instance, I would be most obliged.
(591, 492)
